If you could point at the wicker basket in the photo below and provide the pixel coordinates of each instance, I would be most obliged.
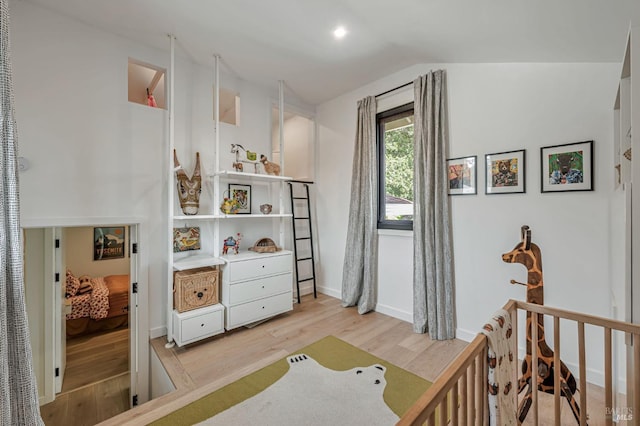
(195, 288)
(265, 245)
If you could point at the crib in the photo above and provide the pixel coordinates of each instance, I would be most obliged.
(459, 394)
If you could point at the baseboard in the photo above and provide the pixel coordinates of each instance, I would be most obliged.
(330, 292)
(395, 313)
(465, 335)
(157, 332)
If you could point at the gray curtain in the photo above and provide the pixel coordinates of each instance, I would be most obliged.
(359, 274)
(19, 394)
(433, 292)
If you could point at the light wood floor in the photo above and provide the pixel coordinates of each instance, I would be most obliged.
(96, 380)
(205, 366)
(95, 357)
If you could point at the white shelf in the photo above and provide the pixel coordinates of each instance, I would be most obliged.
(248, 255)
(251, 176)
(196, 217)
(230, 216)
(197, 261)
(248, 216)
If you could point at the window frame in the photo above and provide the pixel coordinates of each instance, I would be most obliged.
(382, 118)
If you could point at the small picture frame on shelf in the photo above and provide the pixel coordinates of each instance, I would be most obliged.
(567, 167)
(505, 172)
(462, 175)
(242, 195)
(185, 239)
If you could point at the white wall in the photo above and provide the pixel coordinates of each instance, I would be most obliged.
(493, 108)
(79, 248)
(94, 154)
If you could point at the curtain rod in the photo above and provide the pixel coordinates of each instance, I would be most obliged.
(395, 88)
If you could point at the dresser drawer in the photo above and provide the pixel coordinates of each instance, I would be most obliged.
(198, 324)
(246, 291)
(259, 267)
(247, 313)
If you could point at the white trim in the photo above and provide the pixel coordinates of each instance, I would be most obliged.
(465, 335)
(395, 313)
(395, 233)
(156, 332)
(329, 291)
(66, 222)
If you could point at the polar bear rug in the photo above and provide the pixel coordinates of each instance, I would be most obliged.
(310, 394)
(329, 382)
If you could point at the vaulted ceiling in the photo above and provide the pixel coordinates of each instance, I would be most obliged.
(268, 40)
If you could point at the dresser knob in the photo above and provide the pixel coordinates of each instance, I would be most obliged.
(201, 325)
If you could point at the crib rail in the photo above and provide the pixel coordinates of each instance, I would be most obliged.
(463, 383)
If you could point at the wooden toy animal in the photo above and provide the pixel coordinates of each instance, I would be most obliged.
(237, 165)
(270, 167)
(230, 243)
(529, 255)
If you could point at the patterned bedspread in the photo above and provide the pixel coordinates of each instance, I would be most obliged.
(94, 305)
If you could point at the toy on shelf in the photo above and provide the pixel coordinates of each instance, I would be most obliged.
(233, 243)
(265, 245)
(266, 208)
(270, 167)
(251, 157)
(230, 205)
(189, 188)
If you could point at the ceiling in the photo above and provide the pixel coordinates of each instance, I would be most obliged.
(268, 40)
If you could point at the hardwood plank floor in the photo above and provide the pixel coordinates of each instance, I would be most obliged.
(89, 404)
(96, 380)
(95, 357)
(200, 368)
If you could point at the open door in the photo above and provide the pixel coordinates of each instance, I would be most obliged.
(133, 317)
(60, 333)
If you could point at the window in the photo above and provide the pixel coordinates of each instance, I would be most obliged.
(395, 168)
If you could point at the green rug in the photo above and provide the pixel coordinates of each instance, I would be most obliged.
(401, 391)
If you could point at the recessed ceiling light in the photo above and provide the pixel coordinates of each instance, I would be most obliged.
(340, 32)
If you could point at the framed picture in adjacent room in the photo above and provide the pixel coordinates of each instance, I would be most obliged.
(108, 243)
(242, 194)
(462, 175)
(505, 172)
(567, 167)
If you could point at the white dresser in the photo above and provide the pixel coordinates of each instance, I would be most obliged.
(256, 286)
(191, 326)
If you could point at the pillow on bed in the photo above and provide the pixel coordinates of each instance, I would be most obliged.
(85, 285)
(73, 284)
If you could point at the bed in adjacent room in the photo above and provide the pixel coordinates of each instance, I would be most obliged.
(97, 303)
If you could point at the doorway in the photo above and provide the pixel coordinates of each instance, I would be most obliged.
(82, 303)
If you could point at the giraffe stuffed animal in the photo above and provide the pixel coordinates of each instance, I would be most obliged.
(529, 255)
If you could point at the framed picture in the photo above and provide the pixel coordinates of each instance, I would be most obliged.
(185, 239)
(108, 243)
(505, 172)
(242, 194)
(462, 175)
(567, 167)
